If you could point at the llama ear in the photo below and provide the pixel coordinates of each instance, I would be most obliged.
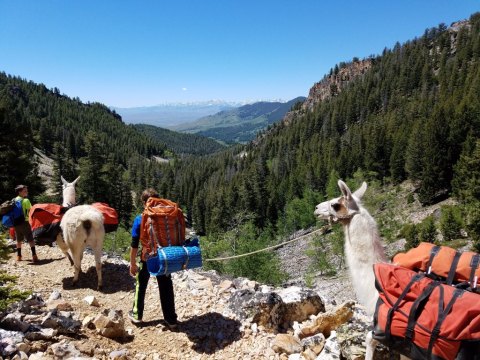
(344, 189)
(64, 182)
(75, 181)
(361, 190)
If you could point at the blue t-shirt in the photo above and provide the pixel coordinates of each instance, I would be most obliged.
(136, 231)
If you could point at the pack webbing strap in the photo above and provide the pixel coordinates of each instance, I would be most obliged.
(442, 315)
(453, 268)
(433, 253)
(474, 265)
(416, 307)
(391, 311)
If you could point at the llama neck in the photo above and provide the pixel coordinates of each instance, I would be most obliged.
(363, 248)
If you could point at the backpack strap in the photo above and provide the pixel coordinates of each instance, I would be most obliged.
(453, 268)
(153, 236)
(474, 265)
(442, 315)
(433, 253)
(169, 241)
(391, 311)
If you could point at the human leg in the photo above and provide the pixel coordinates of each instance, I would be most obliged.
(141, 282)
(167, 298)
(19, 236)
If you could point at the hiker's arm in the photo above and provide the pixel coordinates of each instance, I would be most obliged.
(134, 245)
(133, 262)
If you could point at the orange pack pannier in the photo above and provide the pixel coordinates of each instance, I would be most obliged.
(110, 216)
(443, 263)
(45, 220)
(162, 220)
(423, 318)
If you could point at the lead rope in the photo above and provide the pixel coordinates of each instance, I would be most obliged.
(323, 230)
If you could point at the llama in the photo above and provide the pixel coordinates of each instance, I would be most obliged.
(363, 246)
(81, 225)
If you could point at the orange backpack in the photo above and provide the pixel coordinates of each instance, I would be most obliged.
(442, 263)
(162, 224)
(423, 318)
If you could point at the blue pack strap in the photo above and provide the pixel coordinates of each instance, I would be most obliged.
(185, 265)
(160, 249)
(433, 253)
(474, 265)
(453, 268)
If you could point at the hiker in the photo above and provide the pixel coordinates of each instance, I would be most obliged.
(165, 284)
(23, 231)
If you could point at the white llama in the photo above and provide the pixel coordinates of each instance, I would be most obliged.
(81, 225)
(363, 246)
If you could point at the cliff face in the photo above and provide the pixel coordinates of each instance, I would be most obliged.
(332, 85)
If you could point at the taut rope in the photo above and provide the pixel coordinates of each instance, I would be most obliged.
(323, 230)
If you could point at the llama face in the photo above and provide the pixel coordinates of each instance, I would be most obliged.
(343, 207)
(69, 195)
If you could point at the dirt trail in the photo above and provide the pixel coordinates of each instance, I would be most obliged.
(207, 329)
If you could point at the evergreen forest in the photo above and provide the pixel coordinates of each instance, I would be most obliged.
(414, 115)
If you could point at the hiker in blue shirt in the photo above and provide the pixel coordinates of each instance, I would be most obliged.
(23, 231)
(165, 284)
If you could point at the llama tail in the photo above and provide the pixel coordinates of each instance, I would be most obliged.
(87, 225)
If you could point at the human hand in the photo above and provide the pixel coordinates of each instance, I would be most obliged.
(133, 268)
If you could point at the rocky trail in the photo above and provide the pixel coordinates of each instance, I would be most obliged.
(219, 318)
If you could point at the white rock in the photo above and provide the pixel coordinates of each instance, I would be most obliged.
(91, 300)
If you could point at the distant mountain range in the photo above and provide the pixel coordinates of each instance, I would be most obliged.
(240, 124)
(171, 114)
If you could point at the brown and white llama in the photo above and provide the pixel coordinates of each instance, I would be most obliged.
(363, 246)
(81, 225)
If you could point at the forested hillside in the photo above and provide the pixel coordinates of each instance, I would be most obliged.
(181, 144)
(240, 125)
(412, 114)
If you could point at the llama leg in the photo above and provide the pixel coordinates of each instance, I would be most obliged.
(98, 266)
(77, 265)
(371, 344)
(63, 246)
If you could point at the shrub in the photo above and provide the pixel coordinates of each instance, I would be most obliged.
(450, 223)
(410, 233)
(427, 230)
(8, 293)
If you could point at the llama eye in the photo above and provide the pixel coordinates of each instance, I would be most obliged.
(336, 206)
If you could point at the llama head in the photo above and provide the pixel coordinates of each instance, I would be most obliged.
(344, 207)
(69, 197)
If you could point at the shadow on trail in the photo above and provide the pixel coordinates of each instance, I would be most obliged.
(210, 332)
(45, 261)
(116, 277)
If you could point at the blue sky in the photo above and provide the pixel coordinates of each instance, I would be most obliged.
(140, 53)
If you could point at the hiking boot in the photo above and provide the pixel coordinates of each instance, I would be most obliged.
(132, 318)
(19, 258)
(171, 326)
(34, 258)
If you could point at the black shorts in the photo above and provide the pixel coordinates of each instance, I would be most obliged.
(23, 232)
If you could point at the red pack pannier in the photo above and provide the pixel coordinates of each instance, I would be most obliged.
(110, 216)
(443, 263)
(45, 220)
(423, 318)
